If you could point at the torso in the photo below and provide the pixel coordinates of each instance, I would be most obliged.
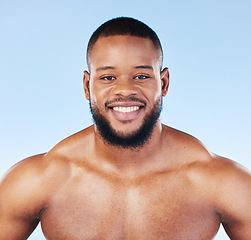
(168, 204)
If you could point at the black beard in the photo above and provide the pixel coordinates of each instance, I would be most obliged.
(133, 140)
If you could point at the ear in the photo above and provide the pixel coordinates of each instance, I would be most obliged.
(86, 82)
(164, 75)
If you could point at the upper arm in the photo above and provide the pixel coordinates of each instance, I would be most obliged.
(234, 201)
(15, 228)
(20, 200)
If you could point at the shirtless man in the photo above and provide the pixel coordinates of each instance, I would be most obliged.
(128, 176)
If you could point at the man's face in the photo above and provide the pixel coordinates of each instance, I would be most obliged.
(125, 85)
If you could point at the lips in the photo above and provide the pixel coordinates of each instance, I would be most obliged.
(125, 111)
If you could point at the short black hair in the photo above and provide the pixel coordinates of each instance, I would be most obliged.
(124, 26)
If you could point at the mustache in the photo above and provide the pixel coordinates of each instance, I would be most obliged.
(125, 99)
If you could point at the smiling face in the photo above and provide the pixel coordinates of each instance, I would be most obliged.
(125, 85)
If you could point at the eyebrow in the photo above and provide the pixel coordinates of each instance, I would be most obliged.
(104, 68)
(144, 67)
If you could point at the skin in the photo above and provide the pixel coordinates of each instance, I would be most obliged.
(171, 188)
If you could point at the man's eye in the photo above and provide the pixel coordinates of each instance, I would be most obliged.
(141, 77)
(108, 78)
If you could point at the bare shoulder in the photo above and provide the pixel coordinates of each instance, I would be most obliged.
(232, 187)
(27, 187)
(224, 179)
(221, 182)
(227, 186)
(20, 189)
(23, 172)
(202, 163)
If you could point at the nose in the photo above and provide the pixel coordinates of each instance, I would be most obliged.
(125, 87)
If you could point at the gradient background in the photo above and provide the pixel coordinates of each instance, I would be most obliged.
(42, 57)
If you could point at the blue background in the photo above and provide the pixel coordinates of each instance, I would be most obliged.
(42, 57)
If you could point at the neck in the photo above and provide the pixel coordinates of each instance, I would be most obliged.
(131, 160)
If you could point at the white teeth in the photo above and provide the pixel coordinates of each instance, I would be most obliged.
(126, 109)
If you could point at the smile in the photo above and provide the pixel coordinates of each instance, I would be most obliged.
(126, 109)
(125, 112)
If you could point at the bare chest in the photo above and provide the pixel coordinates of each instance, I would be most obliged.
(157, 208)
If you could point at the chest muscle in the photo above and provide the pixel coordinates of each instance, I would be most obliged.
(97, 208)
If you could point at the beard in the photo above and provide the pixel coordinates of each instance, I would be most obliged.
(133, 140)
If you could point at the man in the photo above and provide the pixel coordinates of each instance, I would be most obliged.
(127, 176)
